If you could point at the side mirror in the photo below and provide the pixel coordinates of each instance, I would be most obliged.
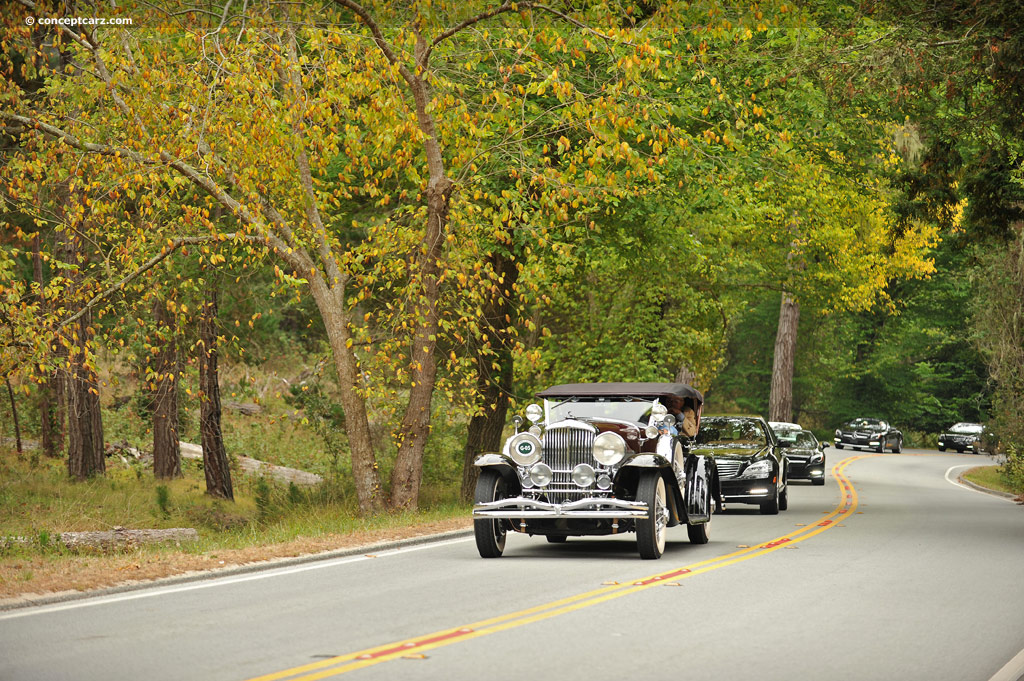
(823, 445)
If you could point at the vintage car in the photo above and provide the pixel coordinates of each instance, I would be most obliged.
(752, 467)
(599, 459)
(870, 434)
(963, 437)
(805, 454)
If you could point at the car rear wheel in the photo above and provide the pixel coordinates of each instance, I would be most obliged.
(698, 534)
(490, 533)
(650, 532)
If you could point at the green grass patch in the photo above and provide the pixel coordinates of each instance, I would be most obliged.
(990, 477)
(37, 503)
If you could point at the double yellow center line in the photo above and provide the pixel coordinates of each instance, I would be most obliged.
(341, 664)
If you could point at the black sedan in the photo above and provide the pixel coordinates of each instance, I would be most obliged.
(806, 456)
(752, 467)
(963, 437)
(870, 434)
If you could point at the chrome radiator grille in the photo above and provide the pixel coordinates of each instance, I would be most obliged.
(728, 468)
(564, 449)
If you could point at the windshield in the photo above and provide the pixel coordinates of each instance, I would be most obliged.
(805, 438)
(863, 424)
(719, 431)
(973, 428)
(623, 409)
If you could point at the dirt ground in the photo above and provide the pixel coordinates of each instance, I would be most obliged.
(23, 580)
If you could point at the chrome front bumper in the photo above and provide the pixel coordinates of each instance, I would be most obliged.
(520, 507)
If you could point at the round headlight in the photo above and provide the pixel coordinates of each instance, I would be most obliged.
(535, 431)
(534, 412)
(604, 481)
(525, 449)
(541, 475)
(609, 448)
(583, 475)
(651, 431)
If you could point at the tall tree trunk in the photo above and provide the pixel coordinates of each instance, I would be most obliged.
(493, 387)
(14, 416)
(82, 402)
(215, 457)
(780, 401)
(166, 446)
(45, 401)
(408, 471)
(80, 387)
(330, 301)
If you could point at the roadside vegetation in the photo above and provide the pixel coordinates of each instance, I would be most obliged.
(352, 238)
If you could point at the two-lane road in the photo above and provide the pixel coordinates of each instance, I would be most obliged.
(889, 571)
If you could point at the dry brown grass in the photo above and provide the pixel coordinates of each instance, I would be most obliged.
(25, 579)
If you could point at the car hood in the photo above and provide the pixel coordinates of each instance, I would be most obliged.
(743, 453)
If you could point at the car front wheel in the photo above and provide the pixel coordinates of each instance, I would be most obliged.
(771, 507)
(650, 532)
(898, 447)
(839, 445)
(490, 533)
(784, 498)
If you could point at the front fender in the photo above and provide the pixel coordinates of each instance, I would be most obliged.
(647, 461)
(493, 459)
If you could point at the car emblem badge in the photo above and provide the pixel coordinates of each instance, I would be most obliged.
(525, 448)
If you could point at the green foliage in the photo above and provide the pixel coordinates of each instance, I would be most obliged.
(163, 500)
(1012, 470)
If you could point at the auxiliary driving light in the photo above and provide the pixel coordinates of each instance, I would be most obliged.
(541, 475)
(583, 475)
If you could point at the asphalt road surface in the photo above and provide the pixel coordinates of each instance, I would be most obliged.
(889, 571)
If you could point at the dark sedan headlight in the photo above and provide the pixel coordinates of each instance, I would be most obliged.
(759, 469)
(839, 433)
(817, 457)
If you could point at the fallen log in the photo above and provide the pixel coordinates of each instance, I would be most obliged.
(120, 538)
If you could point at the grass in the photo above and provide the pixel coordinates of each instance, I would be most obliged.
(267, 520)
(990, 477)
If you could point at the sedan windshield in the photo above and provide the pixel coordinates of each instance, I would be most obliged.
(717, 431)
(806, 440)
(623, 409)
(971, 428)
(863, 424)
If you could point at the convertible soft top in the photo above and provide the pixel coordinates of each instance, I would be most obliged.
(644, 390)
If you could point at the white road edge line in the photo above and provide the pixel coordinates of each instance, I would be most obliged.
(220, 581)
(1012, 670)
(957, 483)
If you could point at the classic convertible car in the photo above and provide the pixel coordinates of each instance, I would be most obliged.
(752, 465)
(600, 459)
(869, 434)
(963, 437)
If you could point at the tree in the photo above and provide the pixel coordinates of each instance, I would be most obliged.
(215, 458)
